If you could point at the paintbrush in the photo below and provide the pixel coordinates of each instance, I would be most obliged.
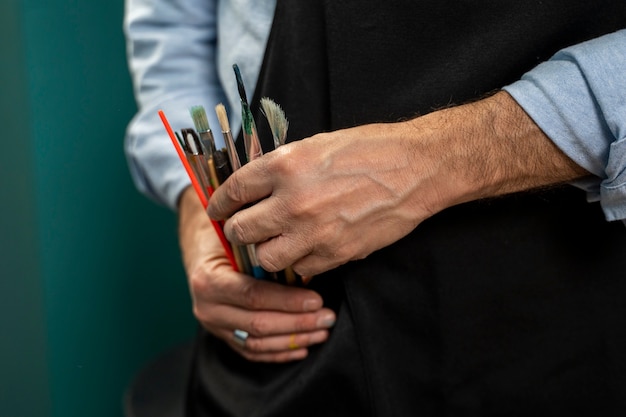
(250, 135)
(253, 150)
(202, 166)
(216, 156)
(197, 161)
(276, 118)
(201, 124)
(246, 252)
(278, 125)
(181, 142)
(198, 188)
(222, 117)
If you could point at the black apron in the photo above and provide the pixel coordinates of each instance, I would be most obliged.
(514, 306)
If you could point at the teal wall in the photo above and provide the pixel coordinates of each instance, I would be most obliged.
(91, 286)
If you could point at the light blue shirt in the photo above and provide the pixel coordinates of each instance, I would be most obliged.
(578, 98)
(181, 54)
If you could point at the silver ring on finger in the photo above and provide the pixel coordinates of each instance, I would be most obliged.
(240, 337)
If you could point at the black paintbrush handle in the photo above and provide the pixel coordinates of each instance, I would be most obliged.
(222, 165)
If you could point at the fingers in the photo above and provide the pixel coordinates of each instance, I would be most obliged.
(279, 322)
(246, 185)
(312, 265)
(279, 348)
(251, 294)
(258, 223)
(269, 323)
(270, 336)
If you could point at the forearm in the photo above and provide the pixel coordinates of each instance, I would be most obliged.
(489, 148)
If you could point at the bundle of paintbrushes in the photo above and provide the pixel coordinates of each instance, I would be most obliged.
(209, 162)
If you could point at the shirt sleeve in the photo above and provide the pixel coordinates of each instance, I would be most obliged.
(578, 98)
(171, 50)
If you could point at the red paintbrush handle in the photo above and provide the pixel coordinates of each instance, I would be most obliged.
(198, 188)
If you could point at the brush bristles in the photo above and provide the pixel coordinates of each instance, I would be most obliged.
(200, 120)
(276, 118)
(233, 157)
(220, 110)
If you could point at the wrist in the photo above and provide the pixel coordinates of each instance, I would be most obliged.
(196, 236)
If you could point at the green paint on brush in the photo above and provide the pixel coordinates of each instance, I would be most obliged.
(200, 120)
(246, 118)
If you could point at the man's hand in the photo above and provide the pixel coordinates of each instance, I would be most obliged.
(339, 196)
(282, 321)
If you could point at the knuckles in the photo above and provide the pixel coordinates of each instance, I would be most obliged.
(227, 198)
(254, 345)
(269, 262)
(235, 189)
(258, 325)
(250, 295)
(199, 282)
(236, 231)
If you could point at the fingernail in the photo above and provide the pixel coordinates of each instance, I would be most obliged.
(312, 304)
(327, 320)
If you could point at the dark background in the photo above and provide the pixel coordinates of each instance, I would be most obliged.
(91, 285)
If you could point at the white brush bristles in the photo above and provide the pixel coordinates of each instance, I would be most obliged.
(276, 118)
